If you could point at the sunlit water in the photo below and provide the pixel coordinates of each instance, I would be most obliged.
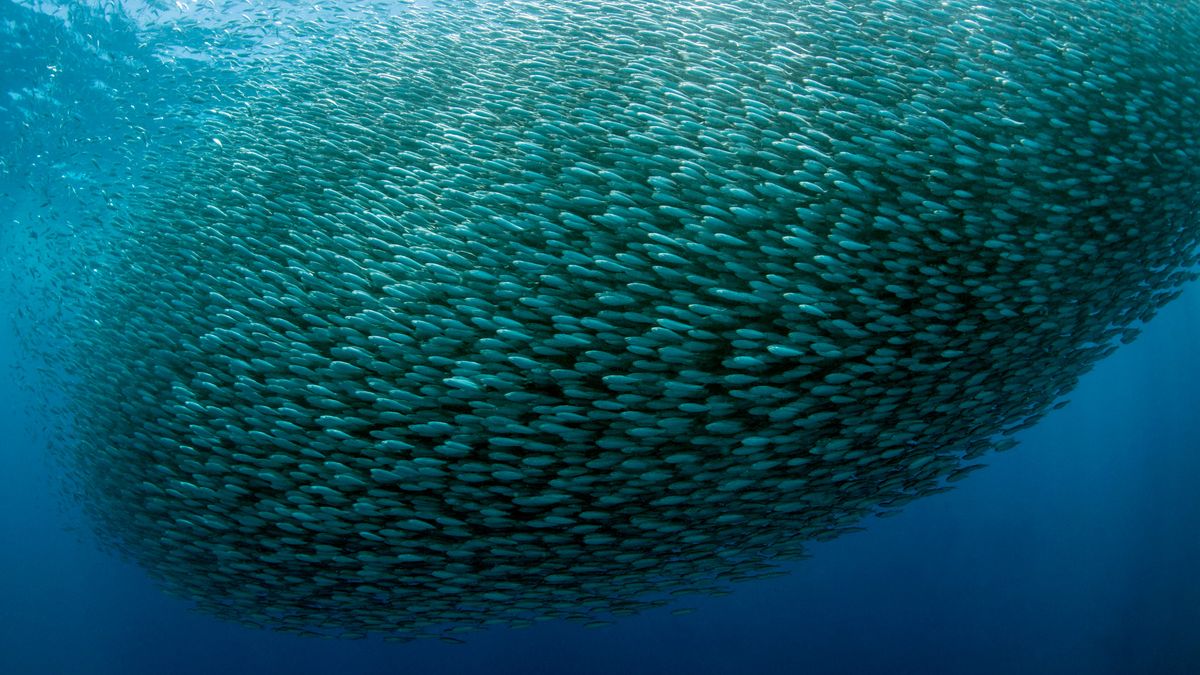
(1073, 553)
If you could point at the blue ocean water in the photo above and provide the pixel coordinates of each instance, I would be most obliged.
(1075, 552)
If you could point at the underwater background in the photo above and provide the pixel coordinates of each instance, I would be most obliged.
(1074, 552)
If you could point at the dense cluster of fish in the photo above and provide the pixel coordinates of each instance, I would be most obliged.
(489, 312)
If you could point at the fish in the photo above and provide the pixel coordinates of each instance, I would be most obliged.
(481, 314)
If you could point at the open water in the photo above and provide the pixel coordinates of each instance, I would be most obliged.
(1074, 552)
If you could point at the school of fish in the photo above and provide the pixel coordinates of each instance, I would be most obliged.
(485, 313)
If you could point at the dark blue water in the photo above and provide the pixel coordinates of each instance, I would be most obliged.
(1076, 552)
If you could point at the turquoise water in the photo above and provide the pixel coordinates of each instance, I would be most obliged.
(1072, 553)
